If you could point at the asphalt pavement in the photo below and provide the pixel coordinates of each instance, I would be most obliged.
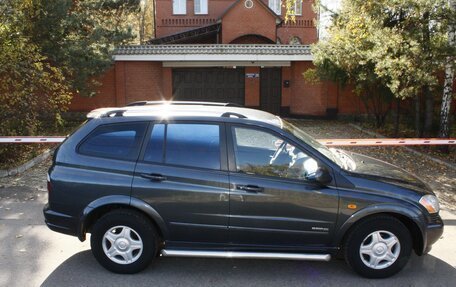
(33, 255)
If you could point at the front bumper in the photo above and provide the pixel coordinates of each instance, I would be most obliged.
(433, 231)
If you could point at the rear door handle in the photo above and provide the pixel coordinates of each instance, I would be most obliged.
(154, 176)
(249, 188)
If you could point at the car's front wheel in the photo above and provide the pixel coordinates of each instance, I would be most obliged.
(123, 241)
(378, 247)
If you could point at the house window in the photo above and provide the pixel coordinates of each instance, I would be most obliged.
(200, 6)
(276, 6)
(179, 7)
(297, 8)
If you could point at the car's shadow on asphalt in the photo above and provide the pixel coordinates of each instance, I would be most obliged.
(82, 270)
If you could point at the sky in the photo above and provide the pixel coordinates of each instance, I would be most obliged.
(325, 18)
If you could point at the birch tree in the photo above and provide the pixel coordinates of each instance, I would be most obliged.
(449, 80)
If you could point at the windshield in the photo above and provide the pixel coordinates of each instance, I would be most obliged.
(329, 153)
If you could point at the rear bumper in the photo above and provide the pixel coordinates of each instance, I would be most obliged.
(59, 222)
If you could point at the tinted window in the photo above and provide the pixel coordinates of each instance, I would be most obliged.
(118, 141)
(195, 145)
(262, 153)
(154, 149)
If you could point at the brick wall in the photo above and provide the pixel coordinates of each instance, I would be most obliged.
(306, 98)
(168, 24)
(242, 21)
(106, 95)
(128, 82)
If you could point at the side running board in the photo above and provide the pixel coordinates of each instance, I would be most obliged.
(245, 255)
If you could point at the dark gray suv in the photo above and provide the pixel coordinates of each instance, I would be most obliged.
(214, 180)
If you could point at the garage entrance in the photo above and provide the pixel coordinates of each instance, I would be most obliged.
(209, 84)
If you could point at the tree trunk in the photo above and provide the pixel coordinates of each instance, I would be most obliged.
(428, 96)
(418, 131)
(448, 84)
(397, 118)
(428, 111)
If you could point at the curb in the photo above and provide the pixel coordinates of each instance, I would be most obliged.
(374, 134)
(31, 163)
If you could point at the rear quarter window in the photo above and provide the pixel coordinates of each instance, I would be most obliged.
(117, 141)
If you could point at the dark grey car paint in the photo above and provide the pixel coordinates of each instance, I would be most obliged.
(192, 206)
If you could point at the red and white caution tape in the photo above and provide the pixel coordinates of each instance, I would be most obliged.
(387, 142)
(327, 142)
(32, 139)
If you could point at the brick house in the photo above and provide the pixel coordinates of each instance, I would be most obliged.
(238, 51)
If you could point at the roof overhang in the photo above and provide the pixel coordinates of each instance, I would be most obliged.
(214, 53)
(182, 64)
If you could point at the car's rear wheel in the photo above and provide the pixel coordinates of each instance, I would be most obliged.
(378, 247)
(123, 241)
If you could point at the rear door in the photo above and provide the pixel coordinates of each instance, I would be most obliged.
(272, 201)
(182, 174)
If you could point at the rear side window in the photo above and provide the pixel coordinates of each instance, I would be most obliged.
(194, 145)
(118, 141)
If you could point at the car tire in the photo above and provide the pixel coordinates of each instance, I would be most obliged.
(378, 247)
(124, 241)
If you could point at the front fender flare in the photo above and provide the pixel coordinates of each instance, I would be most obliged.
(409, 211)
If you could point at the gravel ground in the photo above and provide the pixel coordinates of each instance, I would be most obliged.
(442, 179)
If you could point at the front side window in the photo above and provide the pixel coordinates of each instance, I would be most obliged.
(262, 153)
(116, 141)
(200, 6)
(276, 6)
(193, 145)
(179, 7)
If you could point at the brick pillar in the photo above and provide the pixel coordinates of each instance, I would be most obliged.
(252, 88)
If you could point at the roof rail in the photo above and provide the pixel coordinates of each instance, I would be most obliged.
(229, 114)
(149, 103)
(113, 113)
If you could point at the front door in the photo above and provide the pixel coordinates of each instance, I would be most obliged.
(271, 89)
(272, 201)
(182, 175)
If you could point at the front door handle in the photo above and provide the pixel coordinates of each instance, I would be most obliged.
(154, 176)
(250, 188)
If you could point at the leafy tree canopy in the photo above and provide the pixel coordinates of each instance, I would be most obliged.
(399, 44)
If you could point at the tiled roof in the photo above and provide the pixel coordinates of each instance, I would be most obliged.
(189, 34)
(214, 49)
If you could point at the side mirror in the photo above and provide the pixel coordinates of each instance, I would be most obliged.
(322, 176)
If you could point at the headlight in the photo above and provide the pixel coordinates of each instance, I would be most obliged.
(431, 203)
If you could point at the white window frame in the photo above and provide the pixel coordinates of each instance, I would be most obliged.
(179, 7)
(201, 7)
(298, 4)
(276, 6)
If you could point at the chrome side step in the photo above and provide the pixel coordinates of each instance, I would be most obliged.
(245, 255)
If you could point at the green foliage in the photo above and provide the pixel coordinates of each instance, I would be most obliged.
(83, 35)
(49, 50)
(394, 46)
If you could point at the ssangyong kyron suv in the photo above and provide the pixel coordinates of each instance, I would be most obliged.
(213, 180)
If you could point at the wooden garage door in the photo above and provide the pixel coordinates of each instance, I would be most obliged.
(209, 84)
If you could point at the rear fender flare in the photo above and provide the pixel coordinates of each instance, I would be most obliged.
(122, 200)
